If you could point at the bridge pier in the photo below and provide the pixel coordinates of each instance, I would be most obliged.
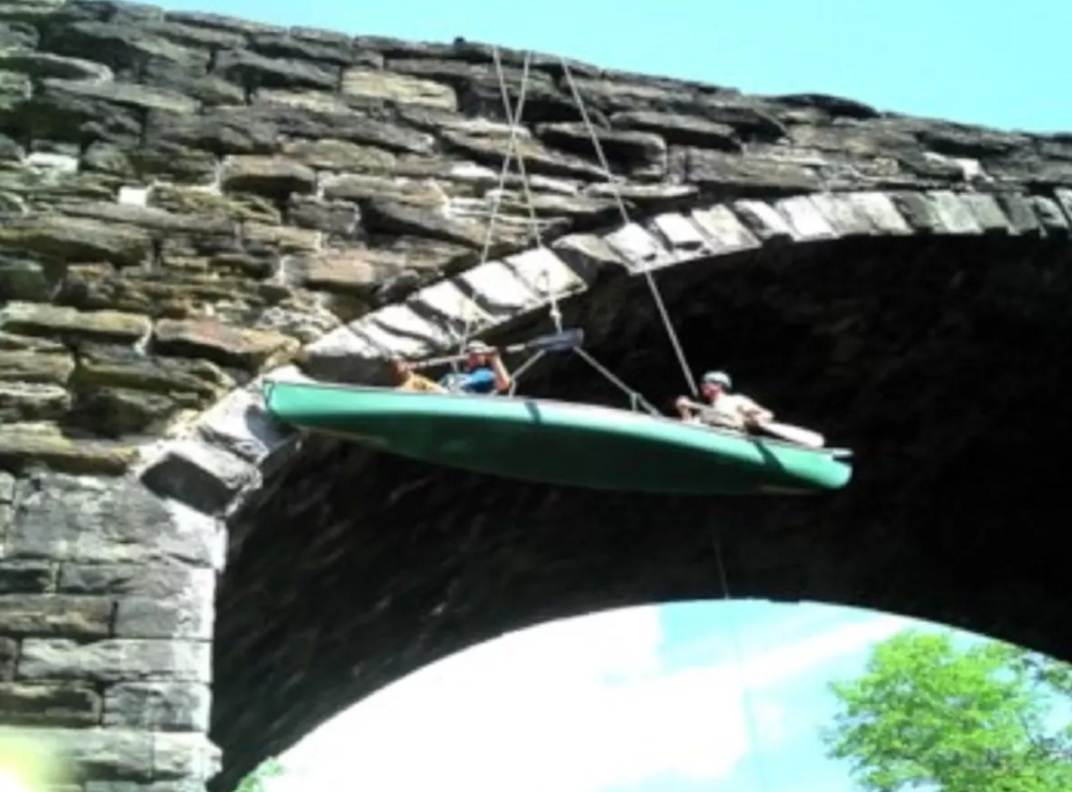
(106, 619)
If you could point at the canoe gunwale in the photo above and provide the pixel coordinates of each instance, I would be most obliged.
(841, 455)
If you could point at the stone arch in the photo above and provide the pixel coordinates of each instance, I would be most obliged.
(109, 580)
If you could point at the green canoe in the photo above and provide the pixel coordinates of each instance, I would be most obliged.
(562, 443)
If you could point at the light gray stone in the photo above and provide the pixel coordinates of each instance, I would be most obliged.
(843, 215)
(499, 290)
(880, 210)
(727, 233)
(7, 487)
(452, 306)
(106, 521)
(639, 248)
(681, 235)
(987, 213)
(546, 274)
(1022, 218)
(55, 615)
(189, 614)
(115, 660)
(402, 319)
(956, 216)
(158, 706)
(202, 476)
(391, 342)
(185, 756)
(805, 219)
(588, 255)
(1050, 215)
(764, 221)
(159, 581)
(1063, 196)
(240, 424)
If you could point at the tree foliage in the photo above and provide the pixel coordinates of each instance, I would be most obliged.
(927, 713)
(254, 782)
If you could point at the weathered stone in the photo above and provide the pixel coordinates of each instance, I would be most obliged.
(111, 521)
(64, 704)
(218, 343)
(114, 660)
(9, 652)
(397, 88)
(492, 149)
(31, 366)
(107, 754)
(125, 368)
(34, 319)
(680, 130)
(158, 706)
(642, 153)
(340, 155)
(24, 577)
(54, 615)
(202, 476)
(160, 581)
(28, 402)
(364, 188)
(70, 239)
(274, 176)
(747, 176)
(251, 69)
(25, 446)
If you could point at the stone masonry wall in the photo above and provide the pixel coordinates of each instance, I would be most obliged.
(186, 201)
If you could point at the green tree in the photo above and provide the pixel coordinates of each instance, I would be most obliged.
(254, 782)
(927, 713)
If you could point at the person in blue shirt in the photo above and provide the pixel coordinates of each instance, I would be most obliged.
(484, 372)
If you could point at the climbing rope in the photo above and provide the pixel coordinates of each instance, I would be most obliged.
(652, 286)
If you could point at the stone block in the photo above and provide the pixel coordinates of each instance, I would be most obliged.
(55, 615)
(24, 576)
(188, 615)
(200, 475)
(114, 660)
(639, 248)
(110, 521)
(49, 704)
(158, 706)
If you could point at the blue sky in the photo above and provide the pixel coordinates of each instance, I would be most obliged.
(648, 700)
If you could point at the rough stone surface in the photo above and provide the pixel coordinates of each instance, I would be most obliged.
(189, 203)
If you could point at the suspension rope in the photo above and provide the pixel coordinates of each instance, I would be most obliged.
(534, 221)
(612, 180)
(532, 361)
(635, 398)
(746, 698)
(511, 148)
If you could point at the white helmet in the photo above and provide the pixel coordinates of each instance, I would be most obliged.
(718, 378)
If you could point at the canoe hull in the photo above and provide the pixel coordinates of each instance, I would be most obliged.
(557, 442)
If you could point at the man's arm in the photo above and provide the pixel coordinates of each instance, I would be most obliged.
(503, 380)
(754, 412)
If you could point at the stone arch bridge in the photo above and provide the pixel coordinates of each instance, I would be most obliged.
(189, 202)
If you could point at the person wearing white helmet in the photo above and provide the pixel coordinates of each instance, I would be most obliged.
(484, 372)
(723, 409)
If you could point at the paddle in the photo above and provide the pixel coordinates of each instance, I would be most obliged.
(794, 434)
(555, 342)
